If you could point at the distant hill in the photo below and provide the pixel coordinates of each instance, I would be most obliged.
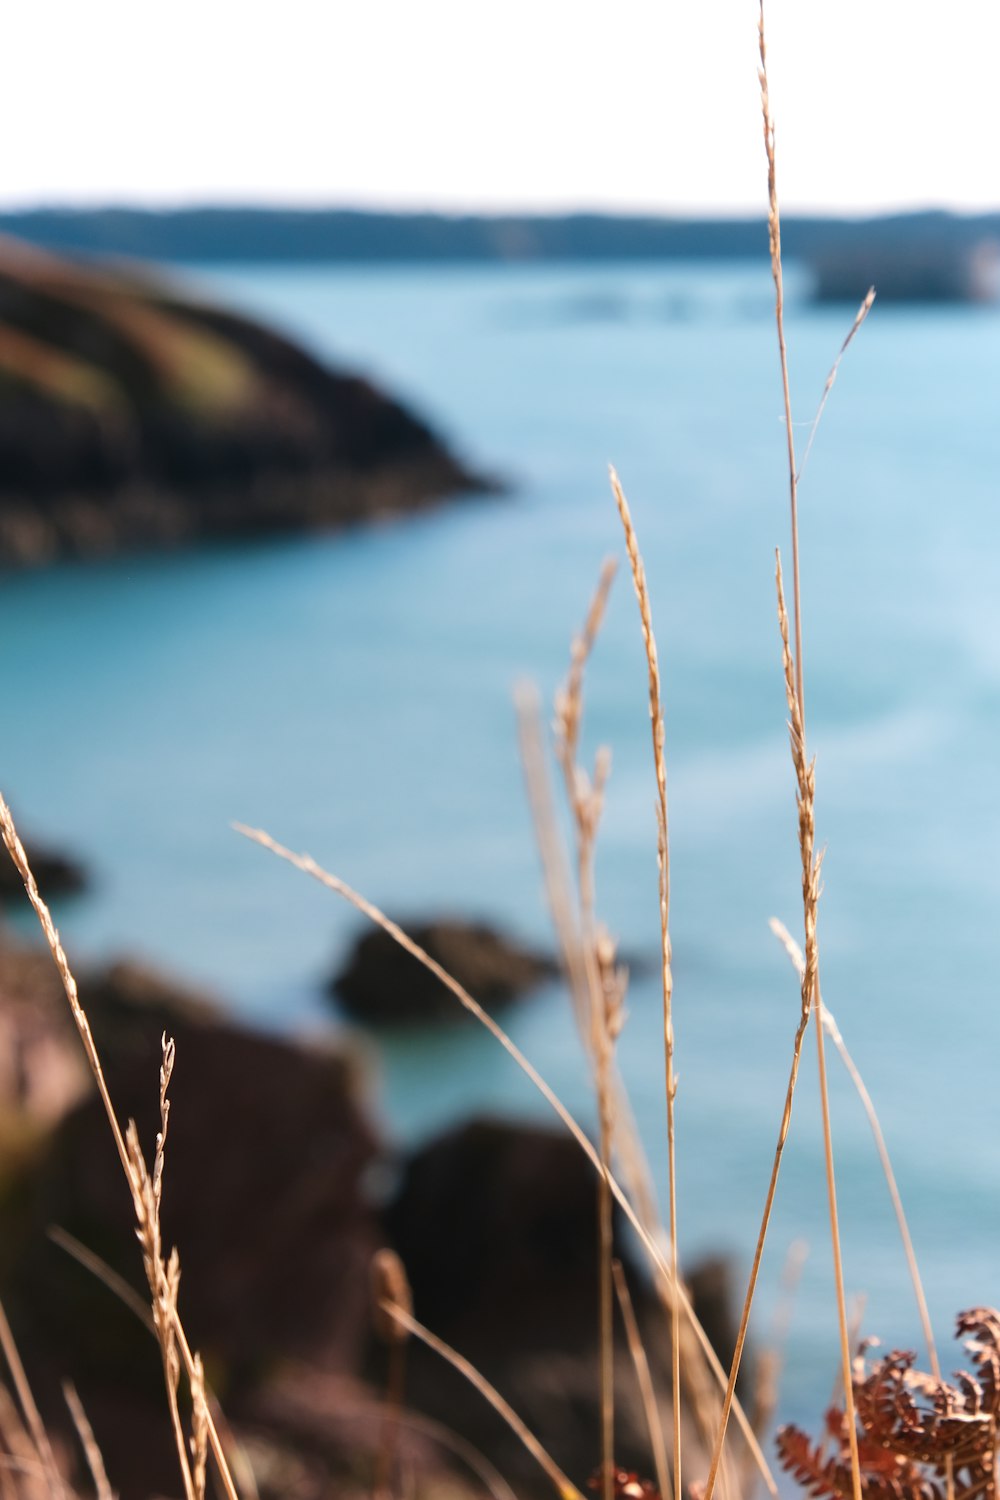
(343, 235)
(132, 417)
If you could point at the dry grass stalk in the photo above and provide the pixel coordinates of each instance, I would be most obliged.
(390, 1289)
(605, 983)
(657, 1258)
(563, 1485)
(859, 318)
(770, 1359)
(774, 236)
(145, 1191)
(811, 997)
(833, 1032)
(812, 968)
(645, 1382)
(663, 863)
(703, 1377)
(91, 1451)
(199, 1429)
(22, 1461)
(99, 1268)
(477, 1463)
(805, 777)
(239, 1464)
(163, 1277)
(32, 1417)
(555, 867)
(16, 851)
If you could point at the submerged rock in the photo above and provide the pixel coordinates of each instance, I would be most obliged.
(381, 984)
(134, 417)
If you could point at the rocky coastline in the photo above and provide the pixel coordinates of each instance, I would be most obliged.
(279, 1188)
(134, 417)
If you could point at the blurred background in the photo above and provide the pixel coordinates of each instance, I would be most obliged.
(317, 334)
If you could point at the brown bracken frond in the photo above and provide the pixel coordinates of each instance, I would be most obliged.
(627, 1485)
(916, 1432)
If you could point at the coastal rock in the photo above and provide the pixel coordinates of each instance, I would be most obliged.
(58, 874)
(496, 1225)
(266, 1196)
(271, 1167)
(134, 417)
(381, 984)
(42, 1069)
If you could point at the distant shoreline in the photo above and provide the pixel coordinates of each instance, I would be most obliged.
(347, 236)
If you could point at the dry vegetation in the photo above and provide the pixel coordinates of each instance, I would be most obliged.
(897, 1433)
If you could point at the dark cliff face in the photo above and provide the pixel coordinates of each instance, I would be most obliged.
(132, 417)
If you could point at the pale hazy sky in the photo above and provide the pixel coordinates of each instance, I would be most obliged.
(632, 104)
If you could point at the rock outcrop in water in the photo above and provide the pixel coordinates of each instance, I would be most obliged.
(58, 873)
(134, 417)
(382, 985)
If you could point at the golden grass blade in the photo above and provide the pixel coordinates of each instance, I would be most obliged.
(564, 1486)
(391, 1286)
(770, 1359)
(555, 867)
(833, 1032)
(16, 851)
(91, 1452)
(585, 796)
(858, 1305)
(569, 702)
(728, 1404)
(477, 1463)
(215, 1419)
(663, 864)
(129, 1153)
(162, 1276)
(99, 1268)
(22, 1457)
(645, 1381)
(308, 866)
(225, 1452)
(774, 236)
(199, 1429)
(30, 1412)
(859, 318)
(805, 776)
(16, 1441)
(810, 867)
(704, 1379)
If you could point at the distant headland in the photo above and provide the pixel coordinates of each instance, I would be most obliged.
(135, 418)
(341, 234)
(929, 255)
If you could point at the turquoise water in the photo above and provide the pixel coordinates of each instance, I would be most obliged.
(353, 695)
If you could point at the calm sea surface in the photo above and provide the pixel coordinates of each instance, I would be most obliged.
(352, 694)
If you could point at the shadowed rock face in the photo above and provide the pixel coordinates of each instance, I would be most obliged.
(269, 1159)
(496, 1225)
(131, 417)
(382, 985)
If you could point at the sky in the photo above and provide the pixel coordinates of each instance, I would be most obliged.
(639, 105)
